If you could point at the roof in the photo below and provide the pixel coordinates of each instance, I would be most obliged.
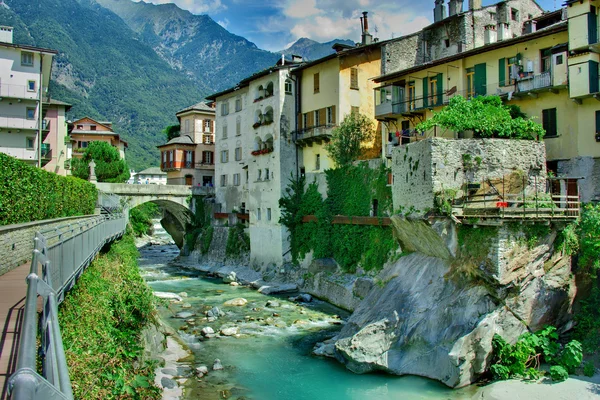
(54, 102)
(185, 139)
(202, 106)
(152, 171)
(30, 48)
(346, 52)
(106, 124)
(562, 26)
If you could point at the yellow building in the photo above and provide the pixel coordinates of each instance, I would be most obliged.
(531, 71)
(329, 89)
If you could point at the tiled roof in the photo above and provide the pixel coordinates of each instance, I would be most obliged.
(202, 106)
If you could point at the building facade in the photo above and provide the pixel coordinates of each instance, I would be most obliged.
(190, 158)
(150, 176)
(86, 130)
(24, 78)
(57, 139)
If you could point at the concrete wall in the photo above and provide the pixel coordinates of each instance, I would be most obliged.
(16, 241)
(430, 166)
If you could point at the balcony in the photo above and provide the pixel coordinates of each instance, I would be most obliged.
(315, 134)
(389, 100)
(18, 92)
(46, 153)
(533, 83)
(205, 165)
(18, 122)
(21, 154)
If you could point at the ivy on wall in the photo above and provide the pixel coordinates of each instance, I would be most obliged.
(29, 194)
(353, 190)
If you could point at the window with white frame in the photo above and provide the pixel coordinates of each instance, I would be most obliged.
(27, 59)
(30, 143)
(238, 104)
(236, 179)
(207, 124)
(31, 86)
(288, 86)
(238, 153)
(266, 174)
(317, 118)
(30, 113)
(223, 180)
(268, 214)
(224, 156)
(238, 127)
(329, 115)
(224, 131)
(225, 108)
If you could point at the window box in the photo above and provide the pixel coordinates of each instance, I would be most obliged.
(261, 152)
(258, 99)
(256, 125)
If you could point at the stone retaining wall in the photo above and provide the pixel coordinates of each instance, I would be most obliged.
(16, 241)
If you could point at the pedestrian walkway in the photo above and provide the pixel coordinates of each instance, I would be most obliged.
(13, 289)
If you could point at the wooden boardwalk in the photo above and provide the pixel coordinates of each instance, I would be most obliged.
(13, 289)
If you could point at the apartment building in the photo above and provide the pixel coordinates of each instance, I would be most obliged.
(56, 145)
(189, 159)
(256, 155)
(24, 78)
(86, 130)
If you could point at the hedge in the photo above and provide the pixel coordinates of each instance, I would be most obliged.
(28, 193)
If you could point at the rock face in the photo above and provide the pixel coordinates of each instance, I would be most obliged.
(431, 321)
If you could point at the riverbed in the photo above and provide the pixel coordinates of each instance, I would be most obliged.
(266, 354)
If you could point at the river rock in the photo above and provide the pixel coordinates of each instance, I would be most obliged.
(217, 365)
(183, 294)
(236, 302)
(215, 312)
(230, 277)
(229, 331)
(272, 303)
(324, 350)
(305, 297)
(184, 315)
(234, 284)
(202, 369)
(206, 331)
(167, 295)
(275, 289)
(168, 383)
(186, 305)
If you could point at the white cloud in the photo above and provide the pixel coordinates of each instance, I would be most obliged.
(224, 23)
(300, 8)
(194, 6)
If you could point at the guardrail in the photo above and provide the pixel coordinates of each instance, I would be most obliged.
(63, 253)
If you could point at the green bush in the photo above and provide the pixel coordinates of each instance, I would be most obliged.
(29, 194)
(101, 321)
(588, 369)
(237, 241)
(141, 217)
(558, 373)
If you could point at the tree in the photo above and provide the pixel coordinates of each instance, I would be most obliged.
(172, 131)
(109, 165)
(487, 117)
(347, 139)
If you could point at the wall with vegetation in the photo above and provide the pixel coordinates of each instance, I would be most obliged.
(101, 321)
(351, 192)
(29, 194)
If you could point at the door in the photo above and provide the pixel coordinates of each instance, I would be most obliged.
(189, 180)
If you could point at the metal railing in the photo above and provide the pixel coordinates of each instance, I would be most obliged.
(63, 253)
(533, 82)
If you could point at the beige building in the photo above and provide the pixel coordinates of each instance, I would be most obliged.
(189, 159)
(86, 130)
(56, 141)
(24, 78)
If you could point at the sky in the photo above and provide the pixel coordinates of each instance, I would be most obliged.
(275, 25)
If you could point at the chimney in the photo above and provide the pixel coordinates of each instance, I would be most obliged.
(474, 5)
(503, 31)
(530, 26)
(490, 34)
(455, 7)
(439, 12)
(6, 34)
(367, 38)
(297, 58)
(283, 59)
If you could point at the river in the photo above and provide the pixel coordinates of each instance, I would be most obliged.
(269, 358)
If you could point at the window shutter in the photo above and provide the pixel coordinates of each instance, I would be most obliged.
(333, 115)
(502, 72)
(310, 120)
(592, 26)
(594, 84)
(316, 82)
(300, 121)
(440, 89)
(597, 121)
(353, 78)
(553, 127)
(425, 92)
(322, 116)
(480, 80)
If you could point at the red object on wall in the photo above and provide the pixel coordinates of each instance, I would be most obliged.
(502, 204)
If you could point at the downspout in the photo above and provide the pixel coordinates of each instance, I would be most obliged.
(40, 100)
(297, 110)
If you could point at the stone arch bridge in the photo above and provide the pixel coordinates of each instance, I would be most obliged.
(173, 199)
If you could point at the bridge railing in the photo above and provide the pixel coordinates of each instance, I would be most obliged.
(62, 253)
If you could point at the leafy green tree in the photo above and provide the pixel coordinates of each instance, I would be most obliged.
(347, 139)
(487, 117)
(172, 131)
(109, 165)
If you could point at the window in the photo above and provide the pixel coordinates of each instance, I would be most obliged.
(187, 126)
(268, 214)
(189, 159)
(514, 14)
(93, 127)
(30, 113)
(354, 78)
(305, 120)
(27, 59)
(549, 122)
(412, 94)
(207, 124)
(433, 86)
(164, 156)
(330, 115)
(493, 16)
(236, 179)
(224, 156)
(546, 57)
(225, 108)
(470, 83)
(559, 59)
(238, 127)
(247, 175)
(79, 126)
(238, 153)
(288, 86)
(260, 174)
(266, 174)
(238, 104)
(316, 83)
(207, 157)
(30, 143)
(224, 131)
(258, 214)
(318, 162)
(317, 118)
(208, 139)
(447, 43)
(31, 86)
(83, 145)
(223, 180)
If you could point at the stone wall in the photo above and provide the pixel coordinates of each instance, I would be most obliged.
(435, 165)
(16, 241)
(583, 167)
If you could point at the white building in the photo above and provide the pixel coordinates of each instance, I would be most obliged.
(152, 176)
(24, 78)
(256, 156)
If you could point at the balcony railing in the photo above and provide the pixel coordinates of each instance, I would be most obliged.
(46, 125)
(18, 92)
(534, 82)
(46, 150)
(205, 165)
(18, 122)
(314, 134)
(21, 154)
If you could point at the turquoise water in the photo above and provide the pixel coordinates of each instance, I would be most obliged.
(271, 357)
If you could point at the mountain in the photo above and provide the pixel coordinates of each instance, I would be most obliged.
(194, 44)
(311, 50)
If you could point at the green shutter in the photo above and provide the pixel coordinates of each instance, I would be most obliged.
(594, 84)
(440, 89)
(597, 121)
(425, 92)
(502, 72)
(592, 26)
(480, 80)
